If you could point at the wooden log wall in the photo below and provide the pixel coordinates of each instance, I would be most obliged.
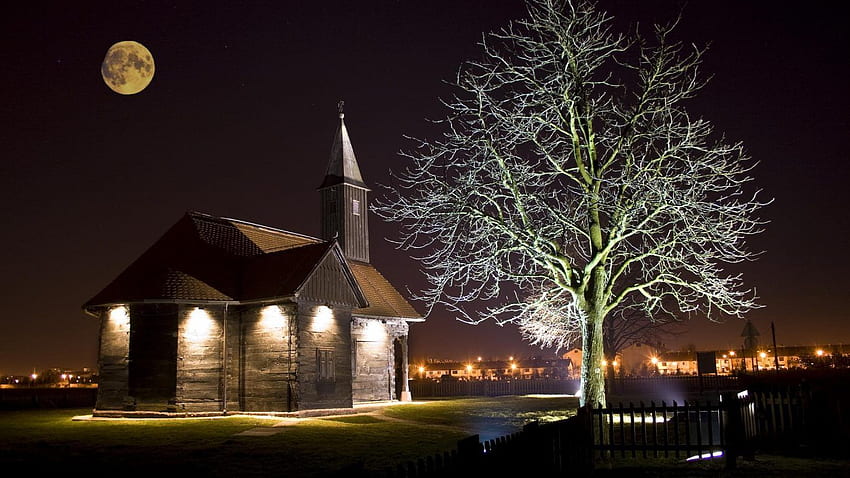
(323, 328)
(112, 359)
(262, 371)
(200, 355)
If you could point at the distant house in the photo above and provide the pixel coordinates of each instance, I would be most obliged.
(224, 315)
(495, 369)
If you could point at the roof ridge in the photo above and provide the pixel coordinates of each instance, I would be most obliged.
(203, 215)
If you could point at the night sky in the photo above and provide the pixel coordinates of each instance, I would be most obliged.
(239, 119)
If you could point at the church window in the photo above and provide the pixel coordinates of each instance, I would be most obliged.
(325, 362)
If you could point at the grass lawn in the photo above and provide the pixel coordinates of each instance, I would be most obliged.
(45, 441)
(49, 441)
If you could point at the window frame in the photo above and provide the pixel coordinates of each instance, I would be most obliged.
(325, 365)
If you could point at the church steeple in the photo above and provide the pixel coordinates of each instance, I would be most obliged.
(344, 198)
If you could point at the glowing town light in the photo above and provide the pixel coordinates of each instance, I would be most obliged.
(322, 319)
(513, 366)
(119, 316)
(34, 376)
(479, 359)
(198, 324)
(762, 354)
(271, 317)
(654, 360)
(614, 363)
(421, 370)
(511, 358)
(819, 352)
(732, 353)
(469, 369)
(604, 363)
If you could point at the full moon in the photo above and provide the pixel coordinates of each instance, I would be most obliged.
(127, 68)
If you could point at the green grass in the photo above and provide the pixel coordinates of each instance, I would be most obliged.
(48, 440)
(488, 417)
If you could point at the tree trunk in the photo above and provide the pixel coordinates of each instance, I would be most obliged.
(592, 373)
(593, 340)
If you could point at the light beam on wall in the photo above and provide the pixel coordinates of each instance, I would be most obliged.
(322, 319)
(198, 324)
(272, 317)
(119, 316)
(374, 331)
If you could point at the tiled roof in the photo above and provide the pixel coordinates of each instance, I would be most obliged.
(208, 258)
(384, 299)
(182, 285)
(271, 240)
(280, 274)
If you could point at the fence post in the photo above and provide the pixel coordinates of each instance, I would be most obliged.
(734, 429)
(469, 455)
(584, 418)
(737, 440)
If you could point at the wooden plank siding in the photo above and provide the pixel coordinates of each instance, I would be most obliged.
(266, 359)
(200, 354)
(320, 329)
(113, 359)
(152, 384)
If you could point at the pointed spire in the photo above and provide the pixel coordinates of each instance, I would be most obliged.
(342, 166)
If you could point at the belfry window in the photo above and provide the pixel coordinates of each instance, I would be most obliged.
(355, 207)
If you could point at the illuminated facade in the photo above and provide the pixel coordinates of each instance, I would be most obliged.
(224, 315)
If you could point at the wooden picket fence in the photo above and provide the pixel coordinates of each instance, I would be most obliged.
(540, 448)
(781, 417)
(658, 429)
(744, 422)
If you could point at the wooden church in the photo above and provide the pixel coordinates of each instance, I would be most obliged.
(222, 315)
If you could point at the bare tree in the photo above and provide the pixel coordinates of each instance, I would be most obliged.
(624, 330)
(570, 180)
